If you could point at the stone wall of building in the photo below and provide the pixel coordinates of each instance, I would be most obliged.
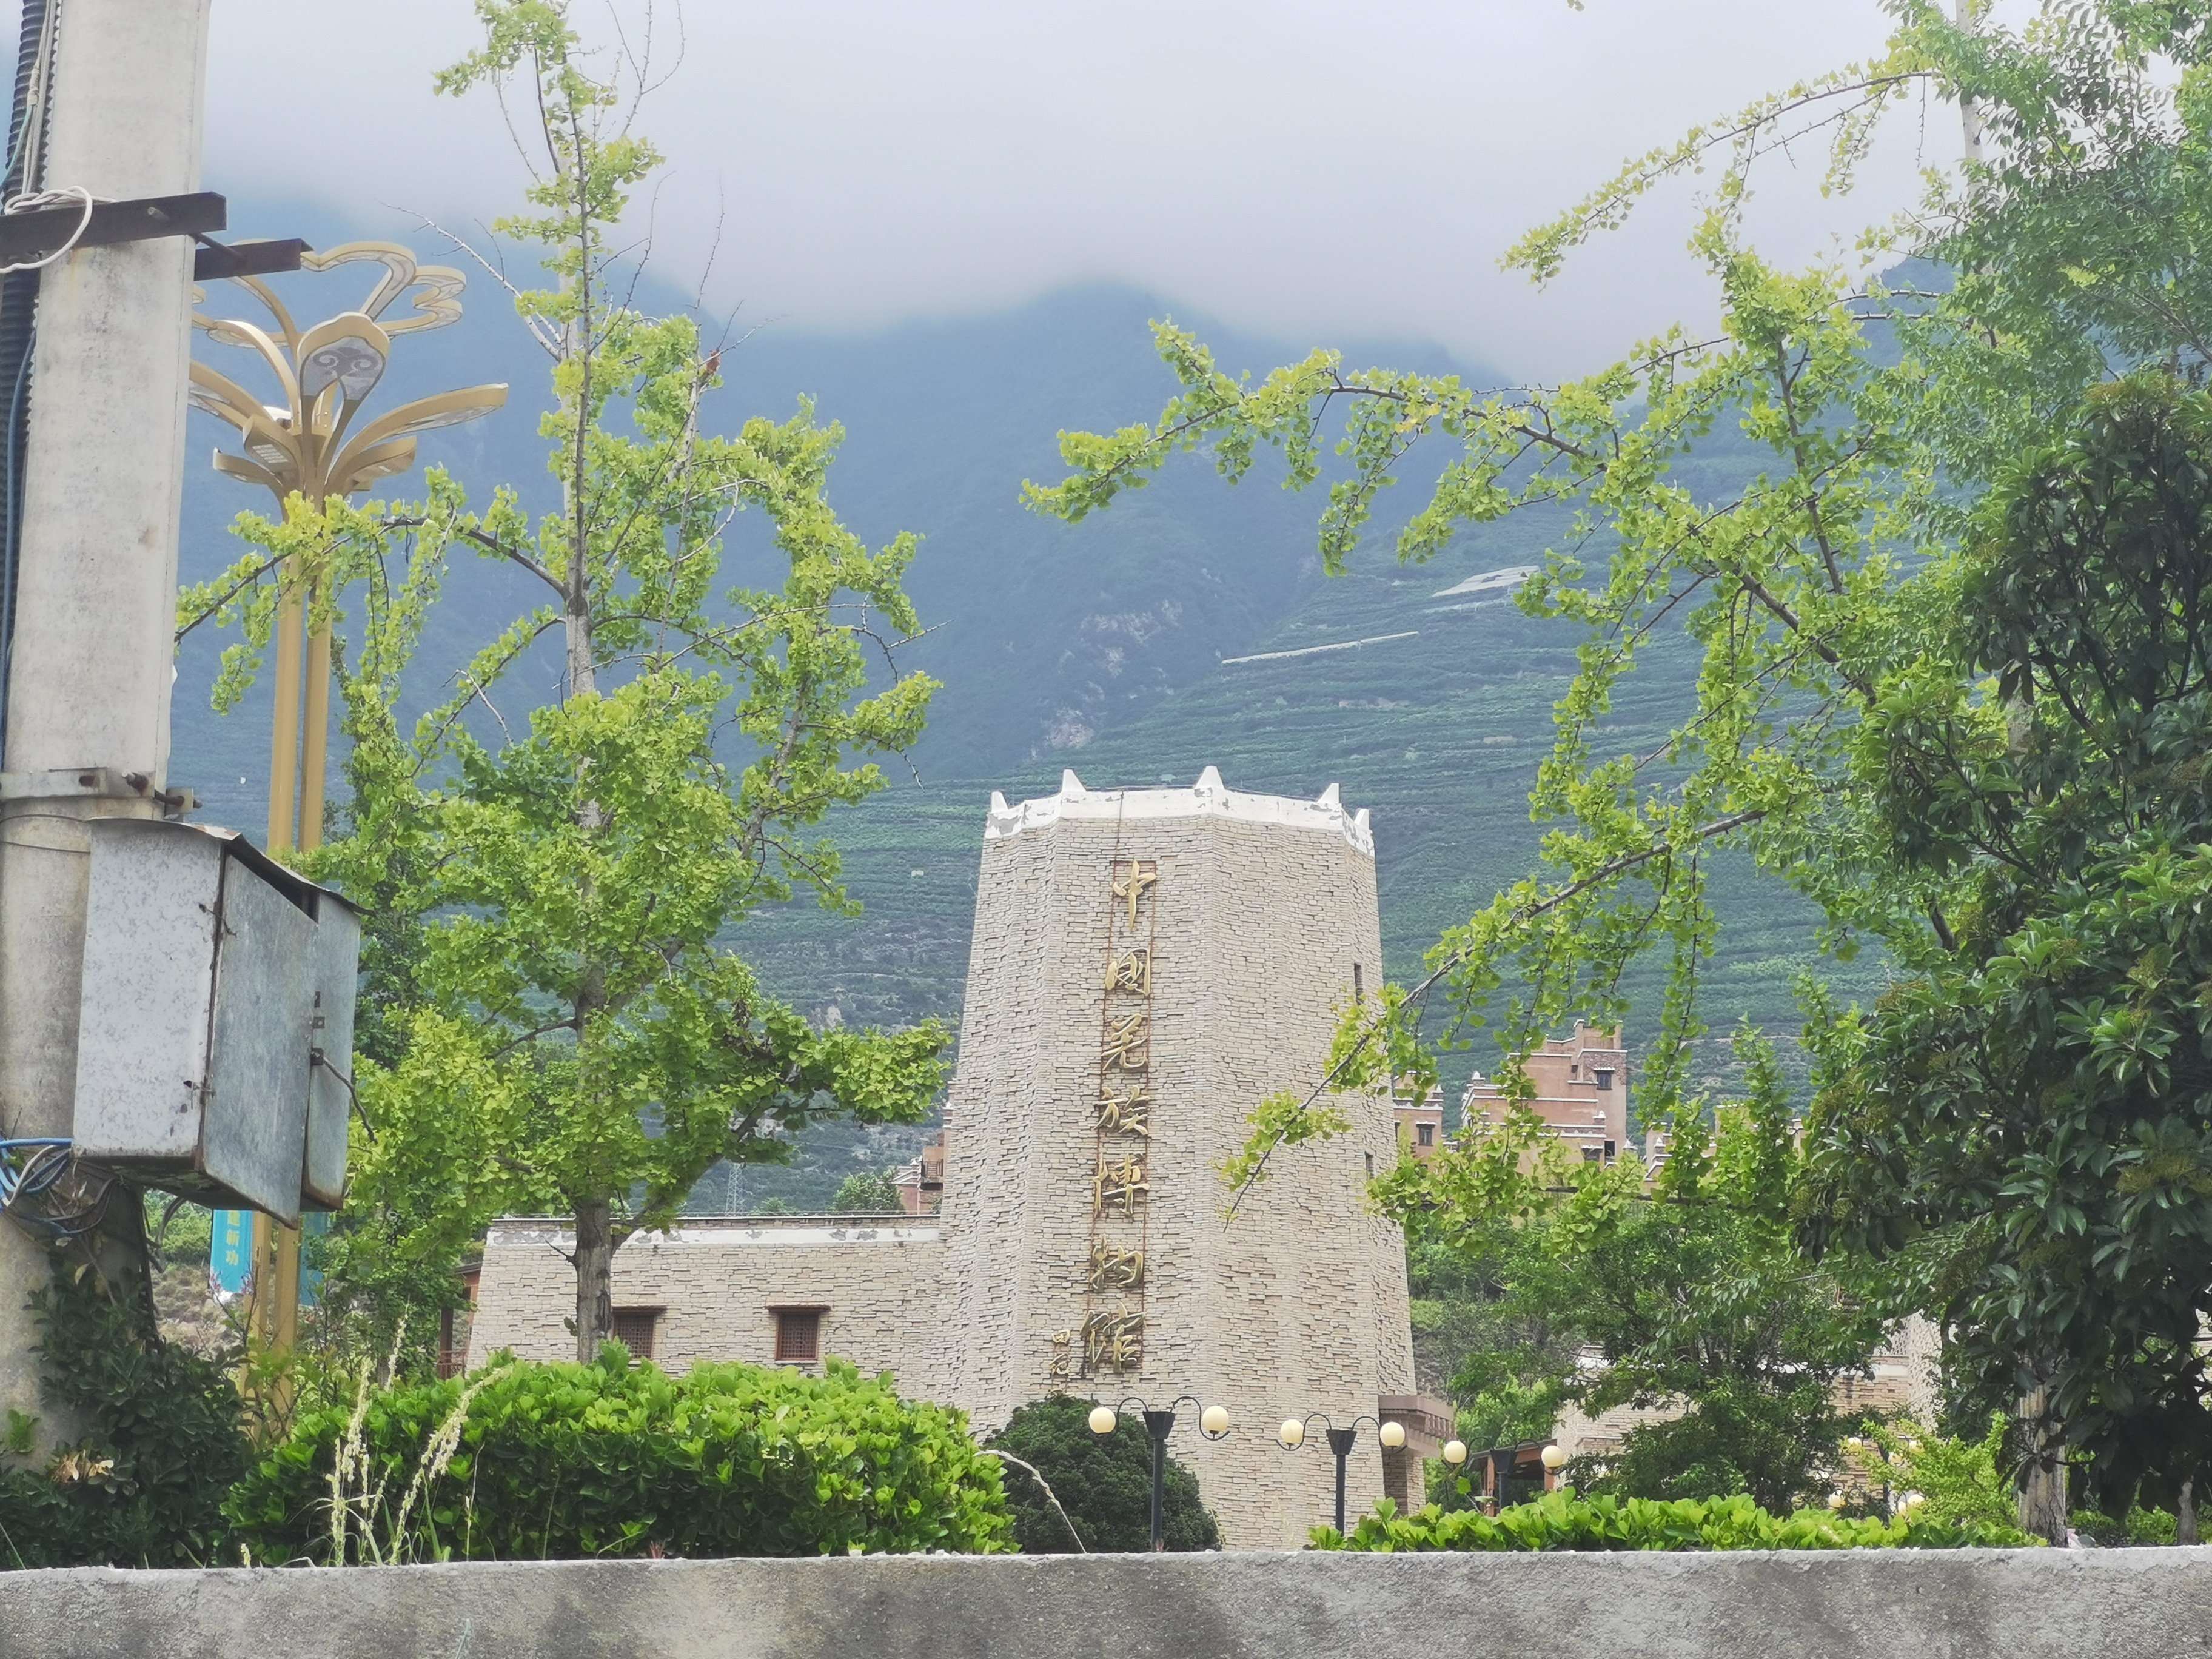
(716, 1285)
(1260, 923)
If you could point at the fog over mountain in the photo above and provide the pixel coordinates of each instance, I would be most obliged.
(1301, 168)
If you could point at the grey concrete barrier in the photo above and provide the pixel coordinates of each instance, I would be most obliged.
(1896, 1604)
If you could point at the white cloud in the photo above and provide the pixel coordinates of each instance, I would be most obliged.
(1317, 170)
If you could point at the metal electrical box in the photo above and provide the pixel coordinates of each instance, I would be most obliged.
(213, 976)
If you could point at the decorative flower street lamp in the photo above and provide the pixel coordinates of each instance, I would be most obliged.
(309, 444)
(1293, 1434)
(1212, 1423)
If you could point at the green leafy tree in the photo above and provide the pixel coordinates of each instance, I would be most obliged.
(867, 1195)
(570, 1036)
(1816, 590)
(1104, 1483)
(1959, 1481)
(1687, 1293)
(2032, 1112)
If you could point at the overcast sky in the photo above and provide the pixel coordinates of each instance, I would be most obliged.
(1314, 168)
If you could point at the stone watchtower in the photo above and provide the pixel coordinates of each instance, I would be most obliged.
(1148, 964)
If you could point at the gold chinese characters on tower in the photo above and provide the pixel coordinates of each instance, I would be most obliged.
(1110, 1341)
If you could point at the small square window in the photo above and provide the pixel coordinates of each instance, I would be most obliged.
(633, 1329)
(798, 1332)
(1428, 1134)
(1604, 1076)
(1590, 1155)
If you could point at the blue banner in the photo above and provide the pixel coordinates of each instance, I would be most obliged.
(230, 1253)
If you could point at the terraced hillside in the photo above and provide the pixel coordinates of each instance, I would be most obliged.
(1178, 630)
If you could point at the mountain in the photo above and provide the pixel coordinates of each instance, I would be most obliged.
(1176, 631)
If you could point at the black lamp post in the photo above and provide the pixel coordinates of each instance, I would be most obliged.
(1293, 1434)
(1212, 1423)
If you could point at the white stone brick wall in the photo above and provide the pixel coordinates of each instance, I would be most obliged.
(1299, 1304)
(716, 1281)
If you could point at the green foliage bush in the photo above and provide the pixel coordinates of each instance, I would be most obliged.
(557, 1461)
(1104, 1482)
(1563, 1521)
(144, 1486)
(2141, 1529)
(867, 1195)
(1961, 1481)
(1765, 1444)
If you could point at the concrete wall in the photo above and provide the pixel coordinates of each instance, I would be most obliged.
(715, 1282)
(1882, 1604)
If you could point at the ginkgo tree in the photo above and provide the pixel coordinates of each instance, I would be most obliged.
(573, 1037)
(1815, 592)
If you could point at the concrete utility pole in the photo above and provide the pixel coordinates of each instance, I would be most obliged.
(86, 721)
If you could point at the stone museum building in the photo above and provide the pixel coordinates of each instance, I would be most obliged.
(1147, 965)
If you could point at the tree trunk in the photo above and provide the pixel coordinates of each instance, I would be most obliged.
(595, 1241)
(2042, 1483)
(595, 1262)
(2185, 1518)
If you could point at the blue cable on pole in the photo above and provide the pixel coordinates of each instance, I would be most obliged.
(19, 299)
(44, 1159)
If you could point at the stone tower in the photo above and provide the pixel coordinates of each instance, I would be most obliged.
(1148, 964)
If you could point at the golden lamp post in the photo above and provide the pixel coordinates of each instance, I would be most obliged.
(315, 443)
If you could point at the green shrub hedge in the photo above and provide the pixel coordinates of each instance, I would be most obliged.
(161, 1441)
(535, 1461)
(1561, 1521)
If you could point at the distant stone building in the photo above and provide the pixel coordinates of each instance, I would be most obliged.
(921, 1182)
(1904, 1381)
(1147, 966)
(1582, 1093)
(1420, 1119)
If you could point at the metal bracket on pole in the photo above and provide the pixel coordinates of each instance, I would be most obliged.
(36, 233)
(99, 782)
(214, 260)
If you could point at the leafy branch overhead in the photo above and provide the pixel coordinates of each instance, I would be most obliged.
(1808, 583)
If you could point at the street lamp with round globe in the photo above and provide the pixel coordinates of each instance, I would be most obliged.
(1454, 1452)
(1293, 1434)
(1212, 1423)
(1555, 1459)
